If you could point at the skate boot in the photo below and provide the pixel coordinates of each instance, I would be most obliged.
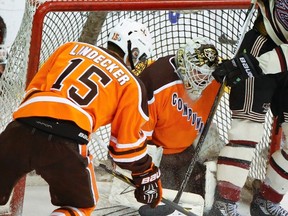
(223, 208)
(262, 207)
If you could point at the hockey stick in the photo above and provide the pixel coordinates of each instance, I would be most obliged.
(246, 22)
(223, 39)
(166, 210)
(129, 181)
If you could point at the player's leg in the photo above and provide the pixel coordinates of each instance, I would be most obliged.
(69, 171)
(246, 131)
(14, 157)
(232, 170)
(249, 102)
(266, 200)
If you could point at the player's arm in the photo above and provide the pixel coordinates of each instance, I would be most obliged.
(147, 80)
(246, 66)
(128, 148)
(274, 61)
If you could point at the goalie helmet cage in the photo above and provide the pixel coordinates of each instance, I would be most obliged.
(48, 24)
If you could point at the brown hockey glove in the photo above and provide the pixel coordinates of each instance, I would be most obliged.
(148, 186)
(238, 69)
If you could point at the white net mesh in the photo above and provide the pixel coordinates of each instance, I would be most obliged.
(43, 29)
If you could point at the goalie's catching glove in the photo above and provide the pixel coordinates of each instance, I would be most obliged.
(148, 186)
(238, 69)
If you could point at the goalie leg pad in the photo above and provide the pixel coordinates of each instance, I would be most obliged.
(210, 184)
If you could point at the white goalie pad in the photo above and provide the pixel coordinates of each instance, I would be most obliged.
(192, 201)
(156, 154)
(210, 184)
(211, 146)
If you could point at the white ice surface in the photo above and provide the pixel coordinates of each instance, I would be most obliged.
(37, 201)
(37, 198)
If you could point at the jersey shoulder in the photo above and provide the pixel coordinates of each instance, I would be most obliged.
(160, 73)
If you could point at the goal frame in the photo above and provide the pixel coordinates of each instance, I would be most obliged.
(117, 5)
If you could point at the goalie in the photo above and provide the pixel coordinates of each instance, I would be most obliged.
(181, 92)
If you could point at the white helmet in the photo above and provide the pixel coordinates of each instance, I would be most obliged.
(134, 39)
(195, 63)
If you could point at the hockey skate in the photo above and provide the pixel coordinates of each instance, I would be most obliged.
(223, 208)
(261, 207)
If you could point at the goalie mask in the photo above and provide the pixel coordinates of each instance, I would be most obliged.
(195, 63)
(134, 39)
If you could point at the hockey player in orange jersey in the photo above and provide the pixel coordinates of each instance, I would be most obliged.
(180, 92)
(78, 89)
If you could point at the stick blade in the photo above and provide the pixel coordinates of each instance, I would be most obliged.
(194, 203)
(160, 210)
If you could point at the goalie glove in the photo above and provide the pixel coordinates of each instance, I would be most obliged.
(238, 69)
(148, 186)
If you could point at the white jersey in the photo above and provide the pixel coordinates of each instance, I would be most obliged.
(279, 57)
(275, 19)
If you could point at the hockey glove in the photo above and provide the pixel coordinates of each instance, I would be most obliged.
(148, 186)
(238, 69)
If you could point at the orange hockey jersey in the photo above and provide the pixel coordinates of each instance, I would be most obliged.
(91, 87)
(175, 120)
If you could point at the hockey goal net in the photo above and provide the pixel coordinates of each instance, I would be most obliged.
(48, 24)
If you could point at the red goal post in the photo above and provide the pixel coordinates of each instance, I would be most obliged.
(48, 24)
